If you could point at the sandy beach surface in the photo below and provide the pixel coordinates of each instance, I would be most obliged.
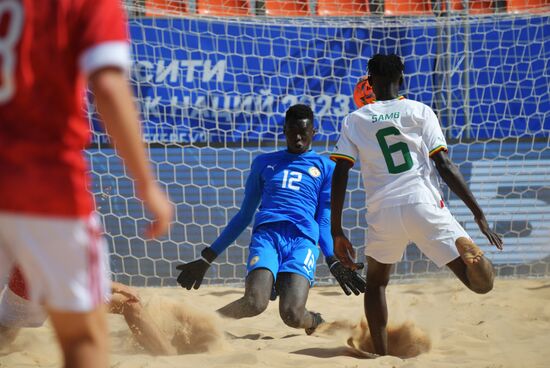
(434, 323)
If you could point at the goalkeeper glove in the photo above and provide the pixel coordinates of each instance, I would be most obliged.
(349, 280)
(192, 273)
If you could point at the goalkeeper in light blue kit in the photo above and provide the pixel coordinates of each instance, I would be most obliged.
(292, 189)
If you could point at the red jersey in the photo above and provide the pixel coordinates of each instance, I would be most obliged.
(48, 48)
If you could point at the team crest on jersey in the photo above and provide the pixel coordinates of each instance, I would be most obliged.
(254, 260)
(313, 171)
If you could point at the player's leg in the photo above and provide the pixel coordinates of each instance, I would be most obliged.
(438, 235)
(8, 330)
(6, 253)
(376, 309)
(144, 329)
(16, 310)
(262, 265)
(293, 291)
(82, 336)
(472, 267)
(387, 240)
(296, 275)
(258, 286)
(63, 261)
(7, 335)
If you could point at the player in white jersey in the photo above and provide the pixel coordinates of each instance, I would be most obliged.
(398, 143)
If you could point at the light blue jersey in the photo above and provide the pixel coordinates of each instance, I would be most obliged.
(286, 187)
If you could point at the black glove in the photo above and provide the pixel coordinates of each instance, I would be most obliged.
(192, 273)
(347, 278)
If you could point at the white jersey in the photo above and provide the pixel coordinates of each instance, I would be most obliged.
(393, 141)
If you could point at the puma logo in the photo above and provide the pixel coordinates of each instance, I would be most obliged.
(272, 167)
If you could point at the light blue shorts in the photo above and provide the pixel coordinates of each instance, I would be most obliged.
(281, 247)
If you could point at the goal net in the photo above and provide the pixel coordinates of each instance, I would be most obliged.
(213, 79)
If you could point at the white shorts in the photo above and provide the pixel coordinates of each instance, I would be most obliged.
(433, 229)
(63, 260)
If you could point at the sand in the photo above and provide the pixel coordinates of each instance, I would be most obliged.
(435, 323)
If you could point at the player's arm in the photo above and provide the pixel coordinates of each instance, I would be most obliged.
(434, 139)
(100, 42)
(125, 301)
(243, 218)
(322, 217)
(115, 103)
(192, 273)
(345, 155)
(452, 176)
(343, 249)
(349, 280)
(128, 292)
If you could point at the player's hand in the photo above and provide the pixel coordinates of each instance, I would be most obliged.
(192, 273)
(349, 280)
(126, 291)
(160, 208)
(343, 250)
(492, 236)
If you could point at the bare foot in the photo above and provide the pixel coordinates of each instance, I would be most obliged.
(469, 251)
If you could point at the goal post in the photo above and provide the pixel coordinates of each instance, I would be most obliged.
(213, 89)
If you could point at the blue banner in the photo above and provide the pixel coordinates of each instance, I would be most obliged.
(201, 80)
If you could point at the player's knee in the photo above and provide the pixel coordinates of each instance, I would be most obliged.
(291, 316)
(256, 305)
(377, 281)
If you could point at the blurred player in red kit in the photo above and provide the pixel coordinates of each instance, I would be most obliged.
(17, 312)
(49, 50)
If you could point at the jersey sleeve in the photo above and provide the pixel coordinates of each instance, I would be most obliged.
(251, 201)
(432, 135)
(322, 215)
(345, 149)
(101, 36)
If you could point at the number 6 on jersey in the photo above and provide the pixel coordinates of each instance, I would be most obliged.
(396, 147)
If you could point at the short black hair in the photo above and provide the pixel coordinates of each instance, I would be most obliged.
(299, 112)
(389, 67)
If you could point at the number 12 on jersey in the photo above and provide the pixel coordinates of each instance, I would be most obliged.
(291, 177)
(388, 150)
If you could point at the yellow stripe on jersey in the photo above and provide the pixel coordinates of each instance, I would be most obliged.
(398, 98)
(438, 149)
(339, 156)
